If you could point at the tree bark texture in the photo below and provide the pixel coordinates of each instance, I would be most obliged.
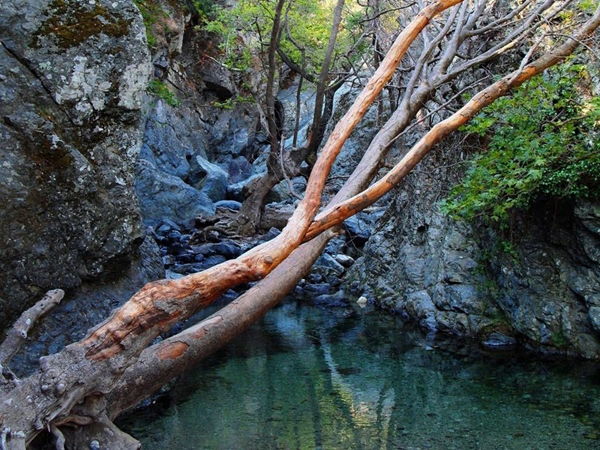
(96, 363)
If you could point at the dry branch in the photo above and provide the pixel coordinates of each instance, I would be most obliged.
(17, 335)
(95, 364)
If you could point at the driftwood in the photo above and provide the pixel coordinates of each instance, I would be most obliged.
(17, 335)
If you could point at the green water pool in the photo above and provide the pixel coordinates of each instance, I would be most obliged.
(308, 378)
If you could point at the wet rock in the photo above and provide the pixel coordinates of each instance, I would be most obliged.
(497, 340)
(337, 300)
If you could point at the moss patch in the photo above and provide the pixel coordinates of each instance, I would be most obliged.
(72, 23)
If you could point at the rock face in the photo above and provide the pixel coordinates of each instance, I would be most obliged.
(73, 77)
(193, 148)
(452, 278)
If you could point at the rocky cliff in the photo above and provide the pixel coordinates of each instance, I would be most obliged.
(73, 84)
(459, 279)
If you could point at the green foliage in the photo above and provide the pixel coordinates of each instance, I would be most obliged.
(544, 141)
(151, 13)
(309, 23)
(160, 89)
(233, 101)
(587, 5)
(204, 8)
(559, 339)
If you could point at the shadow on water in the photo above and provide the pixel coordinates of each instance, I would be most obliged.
(311, 378)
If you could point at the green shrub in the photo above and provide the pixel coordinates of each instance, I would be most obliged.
(160, 90)
(544, 141)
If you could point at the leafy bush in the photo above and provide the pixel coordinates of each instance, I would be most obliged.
(160, 89)
(544, 141)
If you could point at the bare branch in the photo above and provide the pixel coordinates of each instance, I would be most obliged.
(18, 333)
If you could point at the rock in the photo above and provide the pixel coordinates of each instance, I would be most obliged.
(239, 169)
(168, 260)
(237, 191)
(451, 277)
(229, 204)
(211, 261)
(281, 192)
(71, 116)
(327, 265)
(228, 249)
(170, 275)
(362, 302)
(208, 178)
(89, 304)
(165, 196)
(358, 230)
(497, 340)
(344, 260)
(337, 300)
(317, 288)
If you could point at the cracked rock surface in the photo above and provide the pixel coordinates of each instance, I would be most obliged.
(73, 77)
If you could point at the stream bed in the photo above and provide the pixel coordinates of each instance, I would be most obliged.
(311, 378)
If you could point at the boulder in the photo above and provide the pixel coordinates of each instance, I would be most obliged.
(71, 111)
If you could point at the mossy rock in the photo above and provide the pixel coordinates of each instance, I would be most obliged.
(72, 22)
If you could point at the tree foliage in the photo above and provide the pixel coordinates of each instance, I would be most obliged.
(544, 141)
(308, 25)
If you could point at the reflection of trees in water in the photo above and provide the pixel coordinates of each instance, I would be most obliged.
(307, 379)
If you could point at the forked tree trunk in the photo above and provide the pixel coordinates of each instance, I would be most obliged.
(90, 370)
(92, 367)
(279, 167)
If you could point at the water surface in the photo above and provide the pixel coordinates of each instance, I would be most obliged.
(309, 378)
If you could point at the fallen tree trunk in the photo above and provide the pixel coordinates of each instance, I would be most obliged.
(160, 363)
(93, 366)
(48, 399)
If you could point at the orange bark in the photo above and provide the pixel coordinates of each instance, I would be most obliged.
(338, 213)
(159, 304)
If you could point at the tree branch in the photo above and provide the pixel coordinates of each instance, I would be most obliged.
(19, 331)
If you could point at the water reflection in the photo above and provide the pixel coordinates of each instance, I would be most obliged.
(307, 378)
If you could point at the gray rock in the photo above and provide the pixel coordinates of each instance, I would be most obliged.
(89, 304)
(163, 196)
(208, 178)
(440, 273)
(327, 265)
(239, 169)
(344, 260)
(71, 110)
(337, 300)
(497, 340)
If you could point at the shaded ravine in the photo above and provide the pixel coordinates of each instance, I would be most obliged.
(306, 377)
